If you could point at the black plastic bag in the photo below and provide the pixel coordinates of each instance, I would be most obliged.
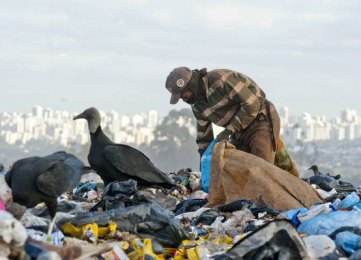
(146, 220)
(275, 240)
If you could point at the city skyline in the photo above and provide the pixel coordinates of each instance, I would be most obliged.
(58, 126)
(164, 113)
(74, 54)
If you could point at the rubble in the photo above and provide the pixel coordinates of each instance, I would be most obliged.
(122, 222)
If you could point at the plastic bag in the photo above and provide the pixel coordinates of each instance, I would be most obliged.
(206, 160)
(349, 201)
(275, 240)
(319, 246)
(147, 221)
(328, 223)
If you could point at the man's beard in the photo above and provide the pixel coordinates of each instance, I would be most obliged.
(195, 87)
(192, 100)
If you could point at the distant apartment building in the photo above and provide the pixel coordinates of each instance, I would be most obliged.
(315, 128)
(58, 126)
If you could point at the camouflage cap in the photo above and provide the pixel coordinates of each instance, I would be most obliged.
(176, 81)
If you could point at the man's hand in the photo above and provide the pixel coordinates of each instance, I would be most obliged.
(224, 135)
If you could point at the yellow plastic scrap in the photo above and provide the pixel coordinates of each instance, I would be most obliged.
(180, 254)
(187, 250)
(192, 253)
(109, 230)
(196, 252)
(70, 229)
(123, 245)
(143, 250)
(188, 243)
(223, 240)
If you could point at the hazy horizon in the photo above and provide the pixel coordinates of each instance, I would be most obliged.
(291, 113)
(116, 55)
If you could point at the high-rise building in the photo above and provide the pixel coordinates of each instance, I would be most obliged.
(37, 111)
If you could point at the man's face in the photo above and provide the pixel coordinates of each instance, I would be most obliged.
(188, 96)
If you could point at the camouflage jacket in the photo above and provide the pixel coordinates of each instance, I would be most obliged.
(232, 100)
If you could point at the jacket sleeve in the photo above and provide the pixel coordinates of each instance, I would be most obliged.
(204, 133)
(244, 91)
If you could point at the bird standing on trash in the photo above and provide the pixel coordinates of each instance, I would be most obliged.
(231, 100)
(315, 170)
(324, 181)
(119, 162)
(43, 179)
(328, 181)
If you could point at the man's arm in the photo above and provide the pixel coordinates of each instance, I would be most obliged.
(204, 134)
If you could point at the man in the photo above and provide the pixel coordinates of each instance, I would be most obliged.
(232, 100)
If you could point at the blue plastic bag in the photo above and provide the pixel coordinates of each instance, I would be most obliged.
(292, 215)
(349, 201)
(206, 160)
(348, 241)
(327, 223)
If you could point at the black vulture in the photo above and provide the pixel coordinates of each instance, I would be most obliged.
(315, 170)
(324, 181)
(119, 162)
(43, 179)
(327, 181)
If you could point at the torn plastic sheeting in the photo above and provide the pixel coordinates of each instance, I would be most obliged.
(159, 197)
(292, 215)
(348, 241)
(115, 194)
(276, 240)
(328, 223)
(122, 188)
(209, 216)
(315, 210)
(146, 221)
(319, 246)
(189, 205)
(56, 237)
(87, 186)
(254, 208)
(347, 238)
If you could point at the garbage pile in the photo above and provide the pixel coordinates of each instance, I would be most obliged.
(121, 221)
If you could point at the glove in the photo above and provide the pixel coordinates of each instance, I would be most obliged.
(224, 135)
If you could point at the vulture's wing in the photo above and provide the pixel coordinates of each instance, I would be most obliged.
(21, 167)
(59, 173)
(133, 162)
(55, 181)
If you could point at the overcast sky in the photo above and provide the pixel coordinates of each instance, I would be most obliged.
(116, 55)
